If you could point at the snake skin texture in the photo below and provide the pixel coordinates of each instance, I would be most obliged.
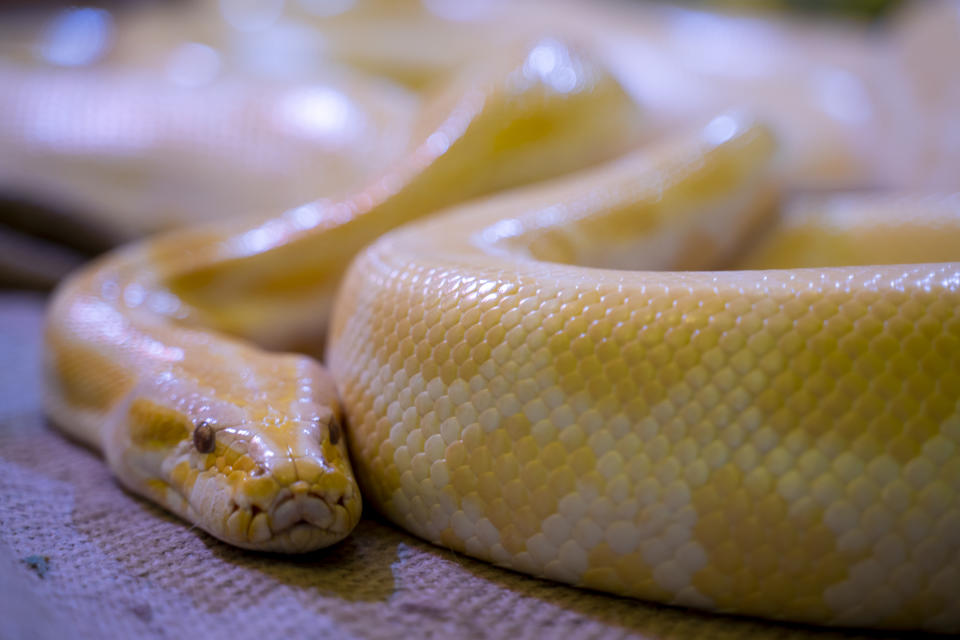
(548, 379)
(779, 443)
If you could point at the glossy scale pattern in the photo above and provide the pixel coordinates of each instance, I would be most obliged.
(779, 443)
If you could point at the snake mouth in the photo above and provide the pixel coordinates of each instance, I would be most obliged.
(296, 522)
(304, 508)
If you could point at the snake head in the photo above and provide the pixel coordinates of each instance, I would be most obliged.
(266, 479)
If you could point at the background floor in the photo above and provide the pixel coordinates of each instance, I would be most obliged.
(109, 565)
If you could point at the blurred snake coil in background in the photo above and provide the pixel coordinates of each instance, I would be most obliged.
(548, 378)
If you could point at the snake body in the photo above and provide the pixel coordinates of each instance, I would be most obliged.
(543, 379)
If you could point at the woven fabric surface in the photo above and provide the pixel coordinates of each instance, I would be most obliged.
(80, 557)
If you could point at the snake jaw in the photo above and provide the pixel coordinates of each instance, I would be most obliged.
(295, 519)
(292, 519)
(303, 520)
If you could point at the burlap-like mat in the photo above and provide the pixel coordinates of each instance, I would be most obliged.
(107, 564)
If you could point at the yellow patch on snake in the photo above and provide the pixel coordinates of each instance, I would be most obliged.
(155, 426)
(87, 378)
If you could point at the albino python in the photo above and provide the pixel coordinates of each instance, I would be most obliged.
(543, 379)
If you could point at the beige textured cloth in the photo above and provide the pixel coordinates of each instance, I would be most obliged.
(119, 567)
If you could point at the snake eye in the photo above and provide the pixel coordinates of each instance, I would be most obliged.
(334, 430)
(204, 438)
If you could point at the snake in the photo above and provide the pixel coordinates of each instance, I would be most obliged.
(557, 350)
